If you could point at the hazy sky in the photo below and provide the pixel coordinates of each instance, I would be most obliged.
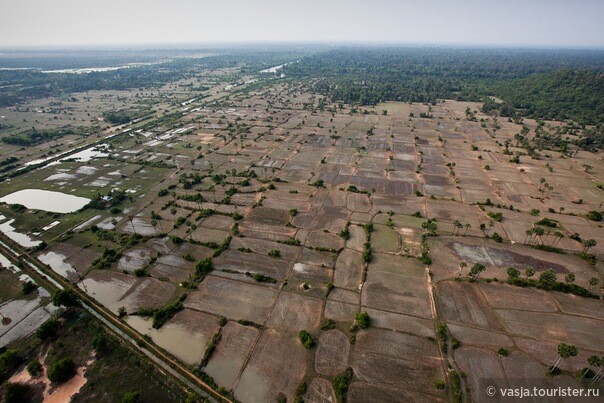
(559, 23)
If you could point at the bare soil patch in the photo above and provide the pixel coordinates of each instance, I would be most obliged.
(331, 355)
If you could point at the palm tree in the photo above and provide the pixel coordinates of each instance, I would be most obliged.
(593, 361)
(600, 365)
(467, 226)
(131, 218)
(459, 226)
(212, 189)
(593, 281)
(538, 231)
(476, 270)
(456, 226)
(549, 189)
(513, 272)
(528, 232)
(588, 243)
(193, 228)
(564, 351)
(557, 237)
(462, 265)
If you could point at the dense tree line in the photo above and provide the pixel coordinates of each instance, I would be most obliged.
(561, 84)
(34, 136)
(117, 117)
(564, 94)
(21, 85)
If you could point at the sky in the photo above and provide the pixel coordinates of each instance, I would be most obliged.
(516, 23)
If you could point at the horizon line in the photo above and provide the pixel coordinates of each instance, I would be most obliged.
(193, 45)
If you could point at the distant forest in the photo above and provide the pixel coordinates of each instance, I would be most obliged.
(17, 86)
(546, 84)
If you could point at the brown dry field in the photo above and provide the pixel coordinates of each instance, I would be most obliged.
(298, 201)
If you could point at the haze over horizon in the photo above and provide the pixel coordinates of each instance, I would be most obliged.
(68, 23)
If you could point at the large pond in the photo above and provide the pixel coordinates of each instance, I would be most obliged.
(46, 200)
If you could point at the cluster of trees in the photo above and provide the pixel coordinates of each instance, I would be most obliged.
(548, 280)
(34, 136)
(545, 83)
(592, 138)
(124, 116)
(117, 118)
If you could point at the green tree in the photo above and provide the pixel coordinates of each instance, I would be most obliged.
(476, 270)
(306, 339)
(456, 226)
(204, 266)
(513, 272)
(589, 243)
(462, 265)
(16, 392)
(430, 226)
(564, 351)
(100, 342)
(593, 281)
(362, 319)
(570, 278)
(47, 329)
(467, 226)
(340, 384)
(34, 368)
(547, 279)
(528, 235)
(600, 365)
(592, 361)
(62, 370)
(28, 287)
(274, 253)
(9, 359)
(64, 298)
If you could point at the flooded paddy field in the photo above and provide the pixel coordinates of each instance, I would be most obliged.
(21, 313)
(258, 217)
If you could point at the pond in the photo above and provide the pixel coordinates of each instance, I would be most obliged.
(46, 200)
